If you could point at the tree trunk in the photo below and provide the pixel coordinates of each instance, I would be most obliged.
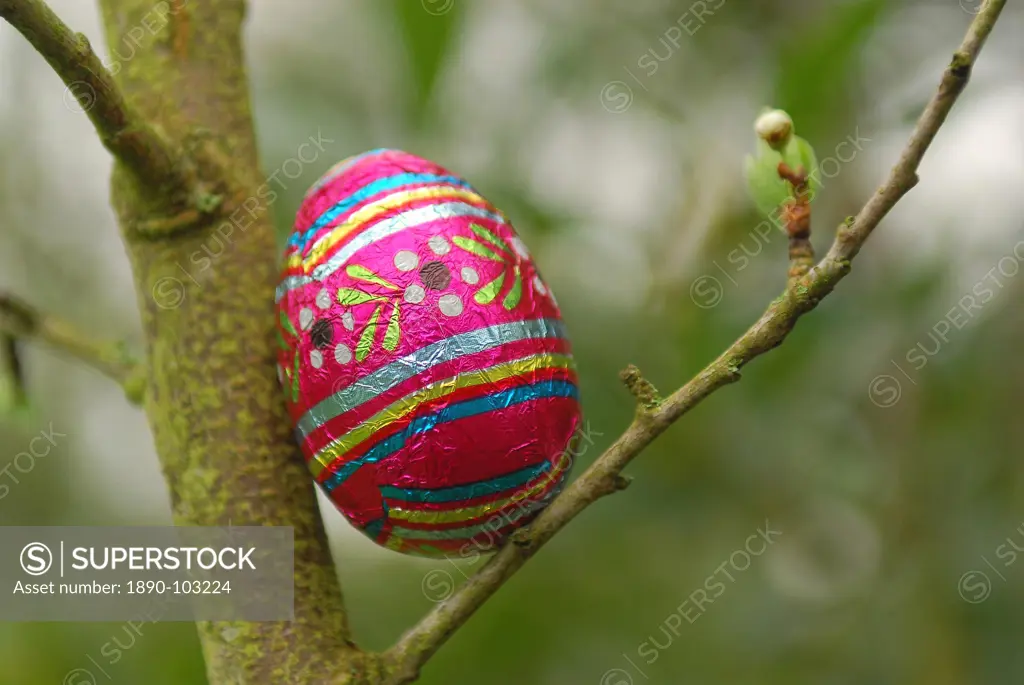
(206, 298)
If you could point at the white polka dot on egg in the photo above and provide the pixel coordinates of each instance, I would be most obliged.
(439, 245)
(414, 294)
(469, 275)
(406, 260)
(323, 299)
(450, 305)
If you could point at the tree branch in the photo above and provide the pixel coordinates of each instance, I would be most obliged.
(404, 660)
(643, 390)
(214, 403)
(796, 217)
(19, 320)
(145, 152)
(12, 375)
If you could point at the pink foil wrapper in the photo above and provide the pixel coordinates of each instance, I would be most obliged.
(424, 359)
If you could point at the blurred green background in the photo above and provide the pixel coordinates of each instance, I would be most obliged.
(613, 134)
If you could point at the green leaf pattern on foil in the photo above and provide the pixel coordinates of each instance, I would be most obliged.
(365, 343)
(506, 255)
(473, 247)
(486, 294)
(485, 244)
(516, 293)
(393, 333)
(350, 297)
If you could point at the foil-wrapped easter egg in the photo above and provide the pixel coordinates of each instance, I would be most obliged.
(424, 359)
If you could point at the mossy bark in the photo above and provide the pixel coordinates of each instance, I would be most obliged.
(205, 292)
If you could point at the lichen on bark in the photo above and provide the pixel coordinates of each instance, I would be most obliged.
(213, 401)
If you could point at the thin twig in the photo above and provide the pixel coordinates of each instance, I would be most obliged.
(796, 217)
(20, 320)
(12, 373)
(156, 161)
(405, 659)
(643, 390)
